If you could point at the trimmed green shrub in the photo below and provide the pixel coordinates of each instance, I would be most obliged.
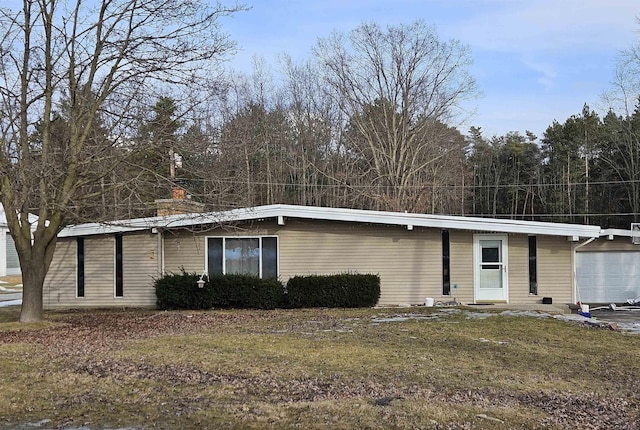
(334, 291)
(246, 291)
(181, 291)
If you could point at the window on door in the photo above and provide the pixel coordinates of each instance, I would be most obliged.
(491, 264)
(490, 253)
(257, 256)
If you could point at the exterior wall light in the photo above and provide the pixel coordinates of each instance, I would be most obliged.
(201, 281)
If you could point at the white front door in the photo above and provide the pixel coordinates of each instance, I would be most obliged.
(490, 268)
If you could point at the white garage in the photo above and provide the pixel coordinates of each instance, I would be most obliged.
(608, 276)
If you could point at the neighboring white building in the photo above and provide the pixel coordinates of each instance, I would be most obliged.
(9, 264)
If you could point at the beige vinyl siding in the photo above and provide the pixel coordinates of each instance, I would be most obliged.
(461, 264)
(184, 250)
(60, 283)
(140, 265)
(518, 270)
(409, 262)
(98, 272)
(555, 269)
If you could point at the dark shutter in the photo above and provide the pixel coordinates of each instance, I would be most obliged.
(533, 265)
(119, 275)
(446, 273)
(80, 267)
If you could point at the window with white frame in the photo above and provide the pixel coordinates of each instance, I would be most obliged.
(256, 256)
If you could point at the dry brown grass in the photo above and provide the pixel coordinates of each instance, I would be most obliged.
(10, 284)
(315, 369)
(11, 280)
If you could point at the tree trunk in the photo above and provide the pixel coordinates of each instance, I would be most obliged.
(35, 259)
(71, 74)
(33, 274)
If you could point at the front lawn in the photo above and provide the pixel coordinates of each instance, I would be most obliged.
(10, 284)
(375, 368)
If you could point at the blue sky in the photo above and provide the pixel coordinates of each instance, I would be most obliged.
(534, 60)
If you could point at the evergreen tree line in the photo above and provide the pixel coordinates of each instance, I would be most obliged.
(584, 170)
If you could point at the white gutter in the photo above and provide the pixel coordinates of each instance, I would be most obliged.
(576, 292)
(615, 232)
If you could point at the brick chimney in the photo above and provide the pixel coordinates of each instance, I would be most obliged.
(179, 203)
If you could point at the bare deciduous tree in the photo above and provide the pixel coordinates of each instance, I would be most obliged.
(622, 153)
(90, 61)
(396, 86)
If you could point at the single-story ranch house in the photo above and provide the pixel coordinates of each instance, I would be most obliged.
(471, 260)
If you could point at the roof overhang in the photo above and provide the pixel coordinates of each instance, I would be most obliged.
(282, 212)
(610, 233)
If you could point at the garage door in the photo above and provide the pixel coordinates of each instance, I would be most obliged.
(608, 277)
